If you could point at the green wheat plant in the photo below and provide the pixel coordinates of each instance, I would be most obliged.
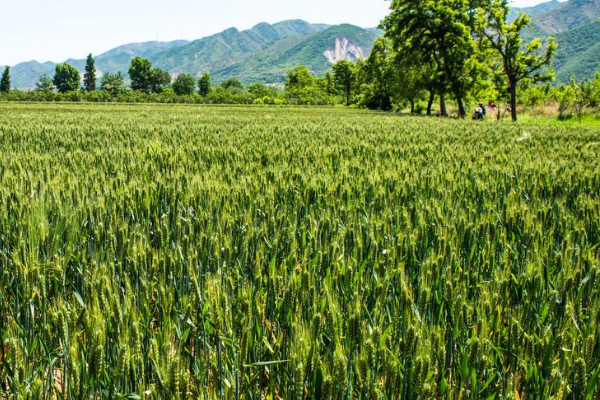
(184, 252)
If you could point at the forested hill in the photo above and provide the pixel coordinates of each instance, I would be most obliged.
(263, 53)
(576, 27)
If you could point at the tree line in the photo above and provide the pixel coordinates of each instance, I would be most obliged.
(458, 49)
(149, 84)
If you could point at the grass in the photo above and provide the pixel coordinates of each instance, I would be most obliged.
(181, 252)
(590, 120)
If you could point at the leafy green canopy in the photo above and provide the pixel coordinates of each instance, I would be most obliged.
(517, 62)
(66, 78)
(5, 84)
(184, 85)
(89, 77)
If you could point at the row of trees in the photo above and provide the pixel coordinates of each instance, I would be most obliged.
(142, 75)
(577, 97)
(458, 48)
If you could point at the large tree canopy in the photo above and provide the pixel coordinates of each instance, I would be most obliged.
(516, 62)
(443, 30)
(66, 78)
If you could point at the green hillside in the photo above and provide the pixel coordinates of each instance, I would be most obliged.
(271, 64)
(579, 52)
(267, 51)
(213, 52)
(535, 10)
(570, 15)
(574, 24)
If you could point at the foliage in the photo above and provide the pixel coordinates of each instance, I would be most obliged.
(302, 88)
(89, 77)
(344, 74)
(204, 84)
(444, 30)
(184, 85)
(44, 84)
(114, 84)
(66, 78)
(159, 80)
(140, 74)
(299, 78)
(530, 62)
(251, 253)
(578, 96)
(261, 90)
(5, 81)
(232, 84)
(377, 77)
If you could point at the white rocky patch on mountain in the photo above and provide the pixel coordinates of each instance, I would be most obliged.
(344, 50)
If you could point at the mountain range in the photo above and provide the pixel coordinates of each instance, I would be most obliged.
(267, 51)
(261, 54)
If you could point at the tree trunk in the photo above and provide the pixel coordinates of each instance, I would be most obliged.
(348, 93)
(412, 106)
(513, 101)
(443, 111)
(430, 103)
(461, 107)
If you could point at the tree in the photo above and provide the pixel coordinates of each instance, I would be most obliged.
(531, 62)
(89, 77)
(5, 81)
(260, 90)
(159, 79)
(345, 77)
(232, 83)
(442, 29)
(204, 84)
(184, 85)
(44, 84)
(302, 87)
(140, 73)
(113, 83)
(328, 84)
(377, 73)
(299, 78)
(66, 78)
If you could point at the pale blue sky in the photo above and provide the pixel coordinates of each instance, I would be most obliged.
(54, 30)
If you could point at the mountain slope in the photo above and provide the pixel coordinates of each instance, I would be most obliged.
(578, 52)
(208, 54)
(224, 48)
(535, 10)
(569, 15)
(574, 24)
(317, 52)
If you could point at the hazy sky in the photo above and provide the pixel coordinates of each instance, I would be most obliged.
(54, 30)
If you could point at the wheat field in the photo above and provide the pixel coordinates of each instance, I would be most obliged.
(184, 252)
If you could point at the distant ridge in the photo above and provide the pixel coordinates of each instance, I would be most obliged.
(574, 24)
(262, 53)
